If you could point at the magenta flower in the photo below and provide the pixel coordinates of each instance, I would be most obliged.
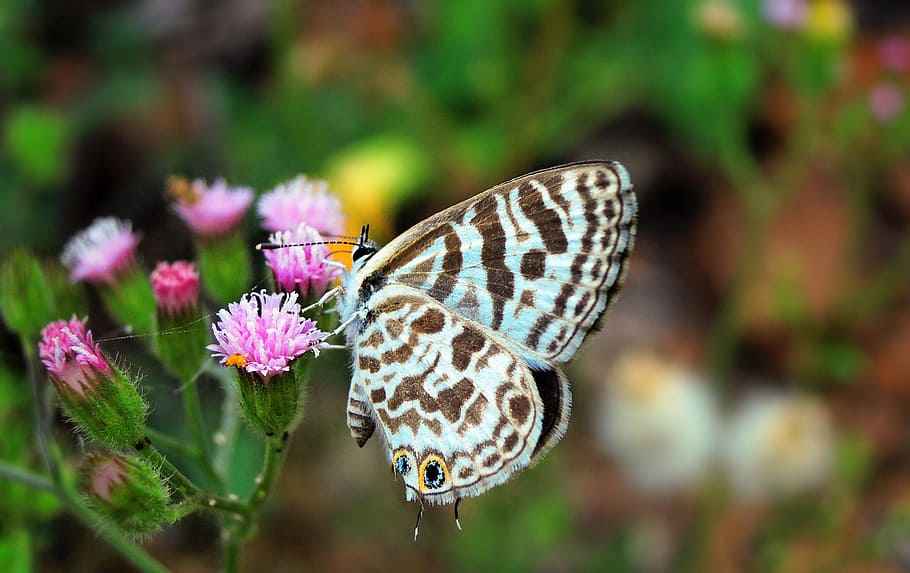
(264, 333)
(71, 356)
(211, 210)
(176, 287)
(894, 53)
(304, 269)
(785, 14)
(301, 200)
(885, 102)
(101, 252)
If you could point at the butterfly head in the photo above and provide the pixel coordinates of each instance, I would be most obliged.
(365, 247)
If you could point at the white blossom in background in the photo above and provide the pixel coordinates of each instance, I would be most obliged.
(659, 422)
(778, 445)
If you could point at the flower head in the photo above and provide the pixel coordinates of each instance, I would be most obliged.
(101, 252)
(301, 200)
(176, 287)
(778, 444)
(885, 102)
(304, 269)
(659, 421)
(785, 14)
(127, 491)
(264, 333)
(209, 210)
(71, 356)
(894, 53)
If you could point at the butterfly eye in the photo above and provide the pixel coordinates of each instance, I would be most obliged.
(433, 472)
(402, 464)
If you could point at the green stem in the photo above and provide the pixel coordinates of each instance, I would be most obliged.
(202, 455)
(226, 436)
(275, 452)
(189, 490)
(132, 552)
(27, 477)
(171, 443)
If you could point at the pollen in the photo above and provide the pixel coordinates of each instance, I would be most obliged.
(237, 360)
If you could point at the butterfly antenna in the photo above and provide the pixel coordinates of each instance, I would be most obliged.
(273, 246)
(419, 516)
(457, 521)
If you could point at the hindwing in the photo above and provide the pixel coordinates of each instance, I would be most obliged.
(459, 411)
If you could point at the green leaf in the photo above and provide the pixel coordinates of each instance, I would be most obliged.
(36, 139)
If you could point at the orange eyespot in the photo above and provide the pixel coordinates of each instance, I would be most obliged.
(237, 360)
(433, 473)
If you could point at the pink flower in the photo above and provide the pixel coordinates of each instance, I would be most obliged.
(263, 333)
(210, 211)
(301, 268)
(176, 287)
(71, 356)
(301, 201)
(894, 53)
(885, 102)
(785, 14)
(105, 473)
(101, 252)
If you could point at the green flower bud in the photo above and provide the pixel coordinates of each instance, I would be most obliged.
(126, 491)
(25, 300)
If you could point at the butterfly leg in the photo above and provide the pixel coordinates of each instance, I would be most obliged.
(329, 295)
(356, 316)
(419, 516)
(457, 521)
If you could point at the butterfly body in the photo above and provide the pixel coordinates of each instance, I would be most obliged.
(458, 326)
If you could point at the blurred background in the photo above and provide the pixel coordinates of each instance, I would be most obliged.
(745, 406)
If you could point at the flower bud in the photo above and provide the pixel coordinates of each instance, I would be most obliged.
(25, 300)
(100, 398)
(263, 336)
(182, 333)
(127, 491)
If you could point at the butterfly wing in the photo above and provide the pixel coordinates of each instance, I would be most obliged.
(537, 259)
(458, 410)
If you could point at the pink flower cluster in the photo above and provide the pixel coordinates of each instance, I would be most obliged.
(176, 287)
(301, 200)
(101, 252)
(304, 269)
(71, 356)
(263, 333)
(213, 210)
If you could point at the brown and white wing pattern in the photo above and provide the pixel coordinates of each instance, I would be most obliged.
(458, 410)
(538, 258)
(458, 327)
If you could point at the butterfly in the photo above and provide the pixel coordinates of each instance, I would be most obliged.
(459, 326)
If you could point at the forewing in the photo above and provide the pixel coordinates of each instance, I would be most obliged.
(459, 411)
(537, 259)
